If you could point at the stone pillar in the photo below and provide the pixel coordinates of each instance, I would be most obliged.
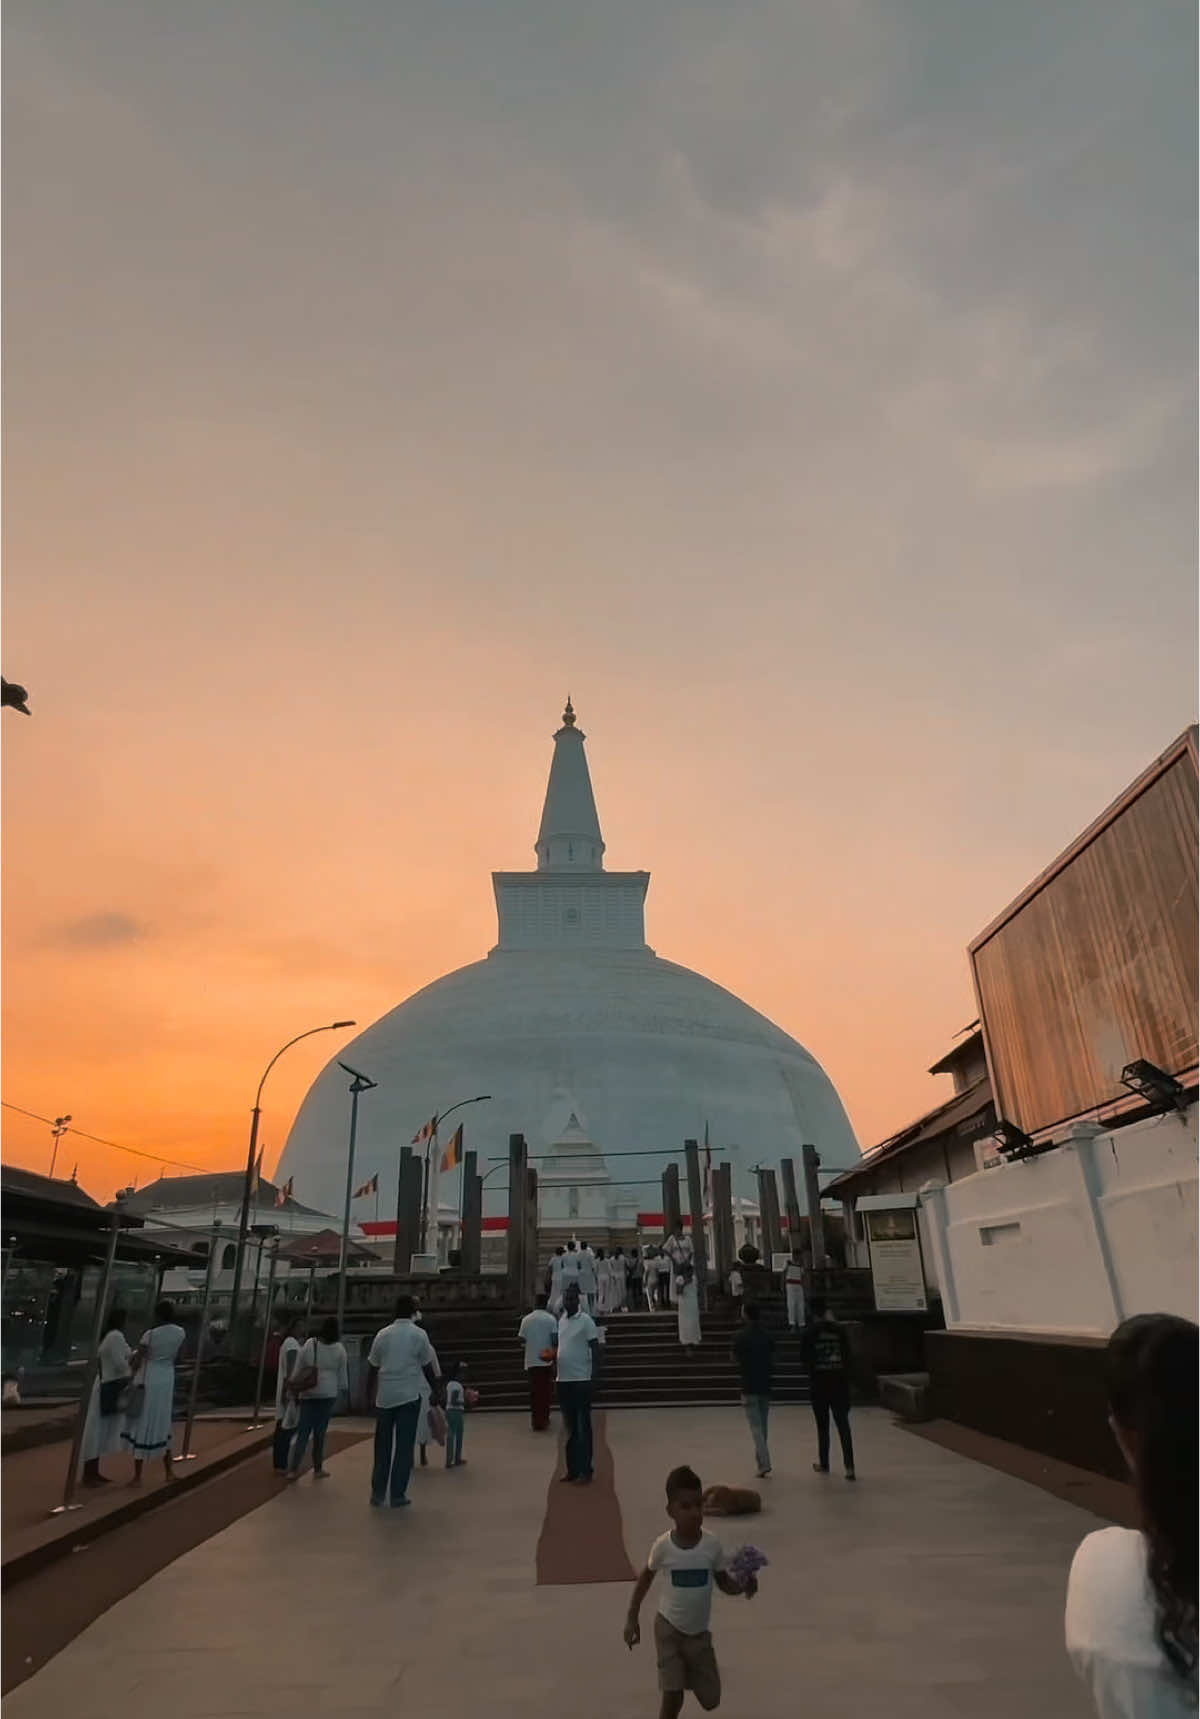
(812, 1189)
(672, 1216)
(529, 1282)
(518, 1163)
(768, 1212)
(471, 1239)
(408, 1211)
(722, 1203)
(691, 1153)
(791, 1203)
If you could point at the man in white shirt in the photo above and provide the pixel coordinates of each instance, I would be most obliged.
(400, 1357)
(578, 1351)
(539, 1333)
(570, 1268)
(288, 1350)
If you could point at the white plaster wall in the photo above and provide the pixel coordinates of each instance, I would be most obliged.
(1076, 1240)
(1147, 1194)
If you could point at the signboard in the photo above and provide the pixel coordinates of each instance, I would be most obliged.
(896, 1269)
(780, 1263)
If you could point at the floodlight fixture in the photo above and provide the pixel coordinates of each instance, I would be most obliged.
(1160, 1089)
(1013, 1142)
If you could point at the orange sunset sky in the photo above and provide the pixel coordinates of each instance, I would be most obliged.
(808, 392)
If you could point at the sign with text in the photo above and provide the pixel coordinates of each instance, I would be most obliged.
(896, 1268)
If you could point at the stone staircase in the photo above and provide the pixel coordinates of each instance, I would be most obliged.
(644, 1366)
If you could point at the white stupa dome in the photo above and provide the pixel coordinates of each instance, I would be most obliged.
(570, 1015)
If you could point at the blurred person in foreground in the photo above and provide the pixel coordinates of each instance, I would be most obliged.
(1131, 1598)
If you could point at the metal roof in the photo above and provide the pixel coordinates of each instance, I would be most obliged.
(944, 1120)
(217, 1188)
(31, 1185)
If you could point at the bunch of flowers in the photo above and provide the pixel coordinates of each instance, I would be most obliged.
(745, 1564)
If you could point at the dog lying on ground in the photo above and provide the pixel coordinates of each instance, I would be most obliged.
(732, 1501)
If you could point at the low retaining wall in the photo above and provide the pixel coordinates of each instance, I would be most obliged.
(1044, 1393)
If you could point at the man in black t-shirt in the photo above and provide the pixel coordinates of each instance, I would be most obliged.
(754, 1352)
(826, 1351)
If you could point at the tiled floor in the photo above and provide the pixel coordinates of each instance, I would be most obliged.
(933, 1588)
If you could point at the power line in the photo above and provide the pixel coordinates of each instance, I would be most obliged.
(176, 1163)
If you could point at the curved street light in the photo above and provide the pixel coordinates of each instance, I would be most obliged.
(248, 1185)
(484, 1098)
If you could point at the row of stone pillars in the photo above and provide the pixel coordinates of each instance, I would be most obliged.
(523, 1205)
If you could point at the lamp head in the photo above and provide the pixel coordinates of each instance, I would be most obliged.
(338, 1025)
(365, 1080)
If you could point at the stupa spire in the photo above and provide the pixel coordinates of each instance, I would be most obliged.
(569, 838)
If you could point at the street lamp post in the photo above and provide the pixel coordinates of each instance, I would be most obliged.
(248, 1185)
(359, 1083)
(58, 1130)
(484, 1098)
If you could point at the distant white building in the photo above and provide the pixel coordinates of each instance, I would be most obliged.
(176, 1206)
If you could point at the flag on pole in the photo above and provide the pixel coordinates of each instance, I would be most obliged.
(426, 1133)
(707, 1166)
(284, 1194)
(452, 1156)
(369, 1187)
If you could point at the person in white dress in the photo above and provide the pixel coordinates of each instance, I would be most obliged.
(587, 1277)
(421, 1441)
(687, 1303)
(793, 1289)
(678, 1250)
(147, 1430)
(556, 1281)
(102, 1432)
(603, 1282)
(620, 1281)
(571, 1268)
(1131, 1596)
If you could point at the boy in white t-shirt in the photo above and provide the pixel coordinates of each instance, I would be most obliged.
(691, 1561)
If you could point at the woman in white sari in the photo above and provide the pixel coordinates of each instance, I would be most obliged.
(102, 1433)
(687, 1302)
(148, 1425)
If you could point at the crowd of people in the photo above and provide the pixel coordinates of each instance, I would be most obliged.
(1131, 1614)
(615, 1281)
(414, 1403)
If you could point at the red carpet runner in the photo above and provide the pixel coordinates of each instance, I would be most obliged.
(582, 1539)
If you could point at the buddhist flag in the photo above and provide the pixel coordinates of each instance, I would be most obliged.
(452, 1156)
(371, 1187)
(426, 1133)
(284, 1194)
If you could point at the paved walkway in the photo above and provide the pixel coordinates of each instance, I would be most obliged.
(933, 1588)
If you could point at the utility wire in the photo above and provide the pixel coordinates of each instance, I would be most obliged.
(176, 1163)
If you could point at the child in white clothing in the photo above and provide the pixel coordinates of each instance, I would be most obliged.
(456, 1413)
(692, 1563)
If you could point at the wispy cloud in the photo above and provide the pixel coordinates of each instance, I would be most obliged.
(99, 931)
